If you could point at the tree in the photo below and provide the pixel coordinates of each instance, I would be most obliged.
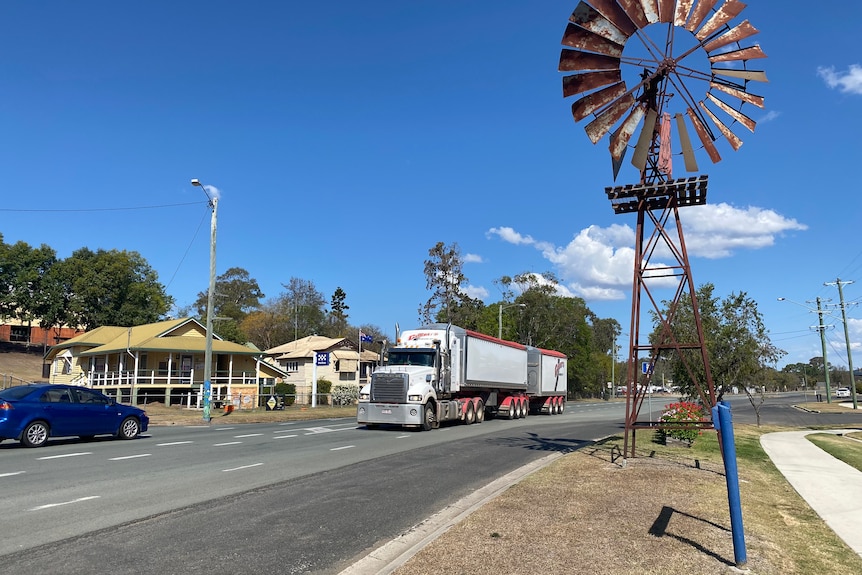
(236, 295)
(307, 307)
(23, 273)
(91, 289)
(270, 326)
(444, 276)
(337, 313)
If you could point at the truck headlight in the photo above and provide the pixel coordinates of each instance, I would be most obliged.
(414, 398)
(364, 396)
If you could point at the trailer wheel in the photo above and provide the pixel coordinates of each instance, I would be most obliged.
(480, 411)
(525, 407)
(469, 415)
(428, 417)
(513, 409)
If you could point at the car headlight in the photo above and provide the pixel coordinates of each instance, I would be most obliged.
(414, 398)
(364, 396)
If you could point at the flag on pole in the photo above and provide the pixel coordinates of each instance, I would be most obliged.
(364, 337)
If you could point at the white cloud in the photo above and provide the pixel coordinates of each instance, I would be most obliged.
(472, 259)
(597, 263)
(849, 82)
(476, 292)
(768, 117)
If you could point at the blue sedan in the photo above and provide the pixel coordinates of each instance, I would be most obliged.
(33, 413)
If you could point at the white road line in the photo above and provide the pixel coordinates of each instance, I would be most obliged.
(243, 467)
(48, 506)
(227, 443)
(403, 436)
(173, 443)
(284, 436)
(64, 455)
(129, 457)
(11, 474)
(223, 428)
(318, 430)
(247, 435)
(289, 423)
(344, 447)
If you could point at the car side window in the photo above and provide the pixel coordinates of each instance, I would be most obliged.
(56, 396)
(91, 398)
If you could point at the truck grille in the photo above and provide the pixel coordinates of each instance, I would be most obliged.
(389, 387)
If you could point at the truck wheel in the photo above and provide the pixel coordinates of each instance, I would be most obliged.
(428, 417)
(480, 411)
(513, 410)
(469, 415)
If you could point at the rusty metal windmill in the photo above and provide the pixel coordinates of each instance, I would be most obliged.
(662, 65)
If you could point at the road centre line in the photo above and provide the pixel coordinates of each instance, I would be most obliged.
(223, 428)
(284, 436)
(129, 457)
(11, 474)
(173, 443)
(49, 505)
(318, 430)
(64, 455)
(242, 467)
(247, 435)
(227, 443)
(343, 447)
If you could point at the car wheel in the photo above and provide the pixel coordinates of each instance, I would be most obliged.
(129, 429)
(35, 434)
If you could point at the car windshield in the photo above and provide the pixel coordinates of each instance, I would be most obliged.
(17, 392)
(425, 358)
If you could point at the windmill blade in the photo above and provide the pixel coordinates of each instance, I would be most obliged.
(577, 83)
(728, 11)
(603, 123)
(644, 140)
(634, 11)
(683, 7)
(735, 142)
(666, 9)
(620, 138)
(733, 113)
(590, 19)
(704, 136)
(701, 10)
(577, 61)
(756, 75)
(735, 34)
(750, 53)
(741, 94)
(577, 37)
(612, 11)
(650, 8)
(685, 144)
(598, 99)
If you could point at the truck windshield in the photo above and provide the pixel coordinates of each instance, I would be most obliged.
(425, 358)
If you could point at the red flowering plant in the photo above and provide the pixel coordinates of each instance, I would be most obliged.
(679, 414)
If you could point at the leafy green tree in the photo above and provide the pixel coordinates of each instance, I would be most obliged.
(338, 307)
(236, 295)
(306, 305)
(444, 277)
(23, 273)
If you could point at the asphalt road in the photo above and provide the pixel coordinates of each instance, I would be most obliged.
(303, 497)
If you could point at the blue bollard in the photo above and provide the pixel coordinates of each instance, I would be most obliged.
(723, 422)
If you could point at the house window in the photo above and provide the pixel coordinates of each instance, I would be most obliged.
(67, 365)
(291, 366)
(346, 376)
(20, 333)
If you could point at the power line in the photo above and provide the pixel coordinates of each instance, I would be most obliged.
(71, 210)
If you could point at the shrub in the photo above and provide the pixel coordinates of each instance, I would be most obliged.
(681, 412)
(345, 394)
(286, 391)
(324, 386)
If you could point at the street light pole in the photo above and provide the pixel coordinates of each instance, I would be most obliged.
(500, 316)
(208, 353)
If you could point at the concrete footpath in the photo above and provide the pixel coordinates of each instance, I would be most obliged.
(831, 488)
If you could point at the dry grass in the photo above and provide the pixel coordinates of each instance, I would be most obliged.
(159, 414)
(665, 512)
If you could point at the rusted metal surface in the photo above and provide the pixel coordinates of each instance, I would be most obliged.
(756, 75)
(741, 94)
(641, 154)
(597, 100)
(750, 53)
(733, 113)
(685, 144)
(700, 12)
(635, 12)
(588, 18)
(666, 10)
(578, 83)
(728, 11)
(735, 142)
(607, 118)
(650, 8)
(612, 11)
(577, 37)
(703, 136)
(620, 138)
(575, 60)
(735, 34)
(683, 7)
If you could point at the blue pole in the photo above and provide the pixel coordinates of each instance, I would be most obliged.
(723, 422)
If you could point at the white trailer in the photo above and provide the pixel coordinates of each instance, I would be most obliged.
(443, 373)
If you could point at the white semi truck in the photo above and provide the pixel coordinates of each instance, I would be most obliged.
(441, 373)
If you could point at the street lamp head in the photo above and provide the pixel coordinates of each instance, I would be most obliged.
(781, 299)
(196, 182)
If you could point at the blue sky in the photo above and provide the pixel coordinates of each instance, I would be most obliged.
(345, 139)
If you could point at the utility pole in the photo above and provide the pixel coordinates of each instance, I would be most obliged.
(208, 351)
(840, 284)
(822, 329)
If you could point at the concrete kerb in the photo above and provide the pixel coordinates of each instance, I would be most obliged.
(387, 558)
